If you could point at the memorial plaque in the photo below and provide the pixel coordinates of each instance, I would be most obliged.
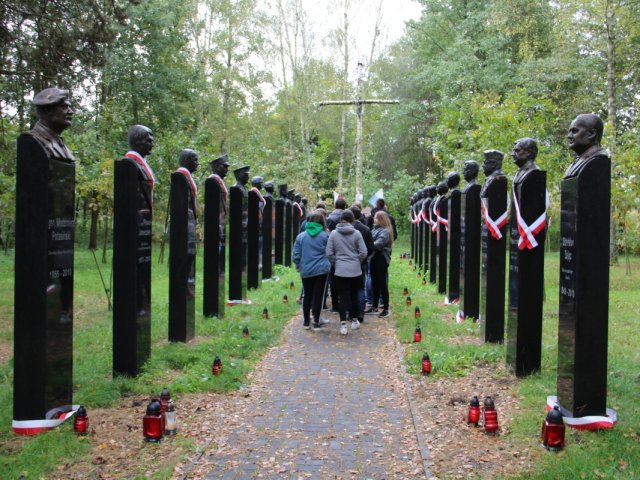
(288, 232)
(132, 223)
(279, 223)
(254, 230)
(238, 216)
(584, 289)
(43, 315)
(182, 259)
(494, 193)
(267, 237)
(526, 277)
(443, 214)
(454, 245)
(470, 251)
(215, 222)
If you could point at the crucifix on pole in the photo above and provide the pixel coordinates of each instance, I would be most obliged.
(359, 103)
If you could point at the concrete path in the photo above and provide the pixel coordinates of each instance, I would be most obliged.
(324, 406)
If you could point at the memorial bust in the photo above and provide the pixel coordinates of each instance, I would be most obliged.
(470, 172)
(270, 187)
(242, 176)
(492, 168)
(54, 116)
(282, 191)
(189, 159)
(220, 166)
(291, 195)
(453, 180)
(256, 182)
(524, 153)
(585, 135)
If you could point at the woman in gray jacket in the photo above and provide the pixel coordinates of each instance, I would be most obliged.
(346, 251)
(382, 241)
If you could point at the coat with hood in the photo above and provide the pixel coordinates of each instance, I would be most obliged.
(381, 242)
(334, 218)
(346, 250)
(309, 251)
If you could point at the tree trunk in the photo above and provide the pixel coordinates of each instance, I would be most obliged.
(612, 112)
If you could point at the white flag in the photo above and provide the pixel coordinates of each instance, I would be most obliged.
(376, 196)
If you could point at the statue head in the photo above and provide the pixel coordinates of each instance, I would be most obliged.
(431, 191)
(270, 186)
(291, 194)
(141, 139)
(257, 182)
(524, 150)
(453, 180)
(492, 161)
(189, 159)
(297, 197)
(282, 190)
(241, 175)
(53, 109)
(304, 201)
(220, 166)
(470, 170)
(585, 131)
(442, 188)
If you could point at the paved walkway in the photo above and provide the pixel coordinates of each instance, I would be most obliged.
(324, 406)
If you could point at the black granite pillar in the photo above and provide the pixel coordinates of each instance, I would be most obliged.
(132, 221)
(182, 258)
(413, 233)
(215, 222)
(279, 222)
(43, 315)
(526, 277)
(288, 232)
(442, 244)
(584, 286)
(254, 230)
(433, 244)
(454, 245)
(470, 217)
(426, 204)
(494, 193)
(237, 243)
(267, 237)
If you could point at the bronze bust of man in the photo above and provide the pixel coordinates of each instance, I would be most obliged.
(585, 135)
(524, 153)
(54, 116)
(470, 171)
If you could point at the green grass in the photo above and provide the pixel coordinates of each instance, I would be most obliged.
(183, 368)
(591, 455)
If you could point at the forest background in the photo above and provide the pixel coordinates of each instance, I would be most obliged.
(246, 77)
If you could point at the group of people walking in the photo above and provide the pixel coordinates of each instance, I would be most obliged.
(350, 254)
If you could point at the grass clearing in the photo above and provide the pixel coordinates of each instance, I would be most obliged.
(591, 455)
(183, 368)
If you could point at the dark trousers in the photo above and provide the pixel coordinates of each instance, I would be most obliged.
(313, 288)
(379, 270)
(347, 290)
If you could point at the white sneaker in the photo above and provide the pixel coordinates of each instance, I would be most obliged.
(355, 324)
(325, 321)
(343, 329)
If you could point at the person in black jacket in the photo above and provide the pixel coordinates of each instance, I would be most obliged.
(368, 241)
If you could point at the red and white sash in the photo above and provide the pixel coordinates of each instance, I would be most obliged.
(591, 422)
(53, 418)
(261, 199)
(442, 220)
(494, 226)
(432, 222)
(194, 188)
(136, 157)
(412, 217)
(223, 187)
(528, 232)
(299, 208)
(424, 217)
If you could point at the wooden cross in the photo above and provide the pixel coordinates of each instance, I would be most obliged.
(359, 103)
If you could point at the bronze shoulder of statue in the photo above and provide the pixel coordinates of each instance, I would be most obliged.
(51, 142)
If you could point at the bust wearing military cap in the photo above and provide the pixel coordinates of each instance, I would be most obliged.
(242, 176)
(54, 116)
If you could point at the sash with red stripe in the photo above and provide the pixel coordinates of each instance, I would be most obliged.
(432, 222)
(223, 187)
(591, 422)
(194, 189)
(493, 226)
(297, 206)
(442, 220)
(52, 419)
(528, 232)
(260, 197)
(423, 216)
(136, 157)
